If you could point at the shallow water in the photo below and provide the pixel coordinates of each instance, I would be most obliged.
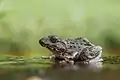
(37, 69)
(38, 72)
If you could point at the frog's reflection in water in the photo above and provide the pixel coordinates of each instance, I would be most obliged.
(96, 66)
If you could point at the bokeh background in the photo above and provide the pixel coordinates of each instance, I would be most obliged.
(24, 22)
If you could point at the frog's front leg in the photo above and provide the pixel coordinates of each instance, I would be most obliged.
(73, 55)
(70, 58)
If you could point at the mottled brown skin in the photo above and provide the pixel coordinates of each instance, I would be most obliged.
(77, 50)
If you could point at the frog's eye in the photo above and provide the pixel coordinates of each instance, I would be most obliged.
(53, 39)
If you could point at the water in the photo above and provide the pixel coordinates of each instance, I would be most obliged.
(39, 71)
(20, 68)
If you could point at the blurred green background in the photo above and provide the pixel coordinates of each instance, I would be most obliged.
(24, 22)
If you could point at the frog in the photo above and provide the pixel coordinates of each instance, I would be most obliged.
(71, 50)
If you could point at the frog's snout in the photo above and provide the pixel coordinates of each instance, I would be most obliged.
(41, 42)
